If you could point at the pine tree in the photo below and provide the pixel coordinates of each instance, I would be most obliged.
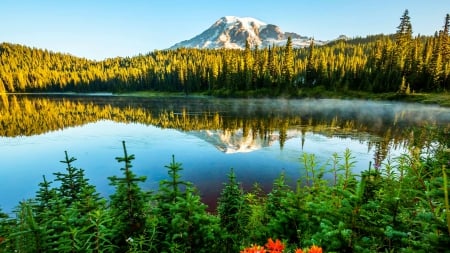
(231, 210)
(127, 202)
(275, 198)
(403, 39)
(248, 66)
(436, 64)
(272, 65)
(3, 228)
(310, 74)
(278, 209)
(169, 194)
(63, 213)
(72, 182)
(45, 196)
(288, 64)
(404, 30)
(446, 52)
(446, 40)
(28, 235)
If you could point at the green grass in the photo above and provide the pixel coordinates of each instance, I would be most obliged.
(442, 99)
(151, 94)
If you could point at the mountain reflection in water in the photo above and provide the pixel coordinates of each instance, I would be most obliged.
(259, 138)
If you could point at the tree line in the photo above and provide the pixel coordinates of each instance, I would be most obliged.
(378, 63)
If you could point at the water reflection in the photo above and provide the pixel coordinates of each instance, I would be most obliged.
(258, 137)
(236, 123)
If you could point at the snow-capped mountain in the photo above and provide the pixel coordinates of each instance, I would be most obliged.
(233, 32)
(234, 141)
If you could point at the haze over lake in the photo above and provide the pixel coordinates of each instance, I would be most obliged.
(259, 138)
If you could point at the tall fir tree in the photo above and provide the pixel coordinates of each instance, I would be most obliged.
(288, 63)
(310, 73)
(127, 202)
(71, 182)
(404, 29)
(403, 39)
(183, 223)
(446, 40)
(231, 209)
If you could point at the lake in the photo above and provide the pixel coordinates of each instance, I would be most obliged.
(258, 138)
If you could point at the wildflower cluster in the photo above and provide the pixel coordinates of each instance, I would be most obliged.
(277, 247)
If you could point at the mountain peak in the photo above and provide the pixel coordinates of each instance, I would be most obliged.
(233, 32)
(244, 20)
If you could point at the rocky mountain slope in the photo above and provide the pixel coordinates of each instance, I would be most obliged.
(233, 32)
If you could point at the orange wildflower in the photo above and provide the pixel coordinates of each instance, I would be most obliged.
(274, 246)
(315, 249)
(298, 251)
(254, 249)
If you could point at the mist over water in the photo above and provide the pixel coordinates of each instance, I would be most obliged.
(259, 138)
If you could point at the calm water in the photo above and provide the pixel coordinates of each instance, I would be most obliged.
(258, 138)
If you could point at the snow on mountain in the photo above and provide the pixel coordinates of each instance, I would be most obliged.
(233, 32)
(234, 141)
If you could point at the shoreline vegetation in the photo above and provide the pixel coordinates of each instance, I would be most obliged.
(441, 99)
(391, 207)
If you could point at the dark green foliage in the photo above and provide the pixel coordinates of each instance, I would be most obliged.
(45, 196)
(4, 226)
(233, 213)
(279, 206)
(74, 187)
(258, 216)
(127, 203)
(26, 235)
(183, 223)
(399, 206)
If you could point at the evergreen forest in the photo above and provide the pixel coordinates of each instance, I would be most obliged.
(398, 63)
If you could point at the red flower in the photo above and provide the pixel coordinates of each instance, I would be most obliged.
(315, 249)
(254, 249)
(274, 246)
(298, 251)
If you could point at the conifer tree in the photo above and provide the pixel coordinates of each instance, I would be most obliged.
(404, 30)
(275, 198)
(288, 63)
(28, 235)
(272, 65)
(169, 194)
(248, 64)
(436, 65)
(45, 196)
(127, 202)
(231, 210)
(3, 227)
(182, 223)
(279, 209)
(446, 40)
(64, 212)
(403, 39)
(310, 74)
(72, 182)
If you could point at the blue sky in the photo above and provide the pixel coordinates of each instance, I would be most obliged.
(98, 29)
